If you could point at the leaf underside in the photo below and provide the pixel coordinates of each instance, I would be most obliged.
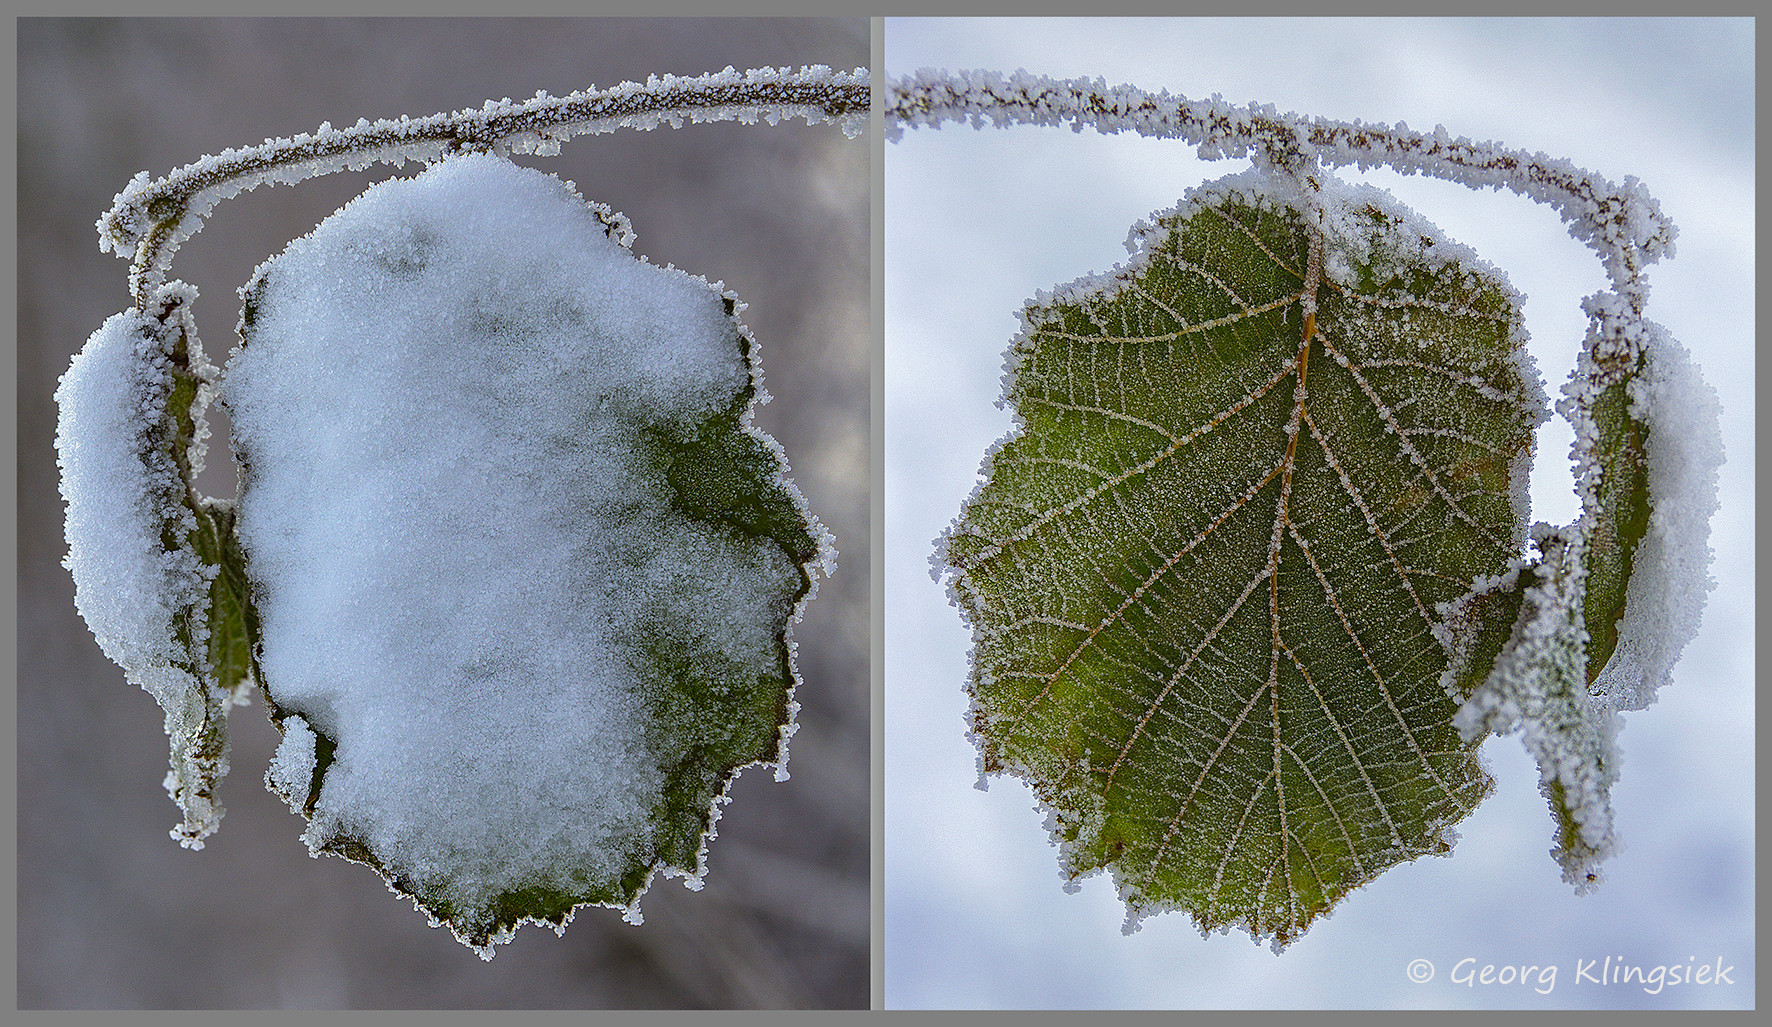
(210, 632)
(1204, 574)
(1617, 517)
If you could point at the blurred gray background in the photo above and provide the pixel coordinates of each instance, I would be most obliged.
(112, 913)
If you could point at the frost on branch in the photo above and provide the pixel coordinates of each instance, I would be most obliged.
(152, 576)
(1623, 225)
(523, 566)
(151, 217)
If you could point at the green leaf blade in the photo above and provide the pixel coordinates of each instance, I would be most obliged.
(233, 623)
(1204, 576)
(1619, 516)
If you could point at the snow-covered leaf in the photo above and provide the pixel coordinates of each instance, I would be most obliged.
(524, 568)
(155, 573)
(1206, 573)
(519, 565)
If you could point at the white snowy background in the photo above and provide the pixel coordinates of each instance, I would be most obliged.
(977, 220)
(111, 912)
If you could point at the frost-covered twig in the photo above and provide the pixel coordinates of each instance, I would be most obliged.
(151, 218)
(1623, 224)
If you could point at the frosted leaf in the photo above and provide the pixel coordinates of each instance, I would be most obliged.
(1537, 683)
(1561, 647)
(1648, 446)
(152, 577)
(1554, 647)
(524, 568)
(1205, 573)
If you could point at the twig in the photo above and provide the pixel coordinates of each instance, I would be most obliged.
(150, 218)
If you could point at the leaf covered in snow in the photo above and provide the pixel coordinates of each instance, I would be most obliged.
(523, 566)
(510, 561)
(156, 575)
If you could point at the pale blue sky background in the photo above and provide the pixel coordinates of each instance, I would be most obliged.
(976, 221)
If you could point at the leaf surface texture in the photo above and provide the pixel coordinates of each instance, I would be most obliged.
(1205, 573)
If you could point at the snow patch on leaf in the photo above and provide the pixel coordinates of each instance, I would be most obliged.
(117, 487)
(291, 773)
(521, 560)
(1670, 579)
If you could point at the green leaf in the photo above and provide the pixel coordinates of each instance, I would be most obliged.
(233, 623)
(1206, 574)
(1616, 515)
(523, 567)
(1646, 457)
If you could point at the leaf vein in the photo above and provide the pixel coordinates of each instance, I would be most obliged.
(1378, 678)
